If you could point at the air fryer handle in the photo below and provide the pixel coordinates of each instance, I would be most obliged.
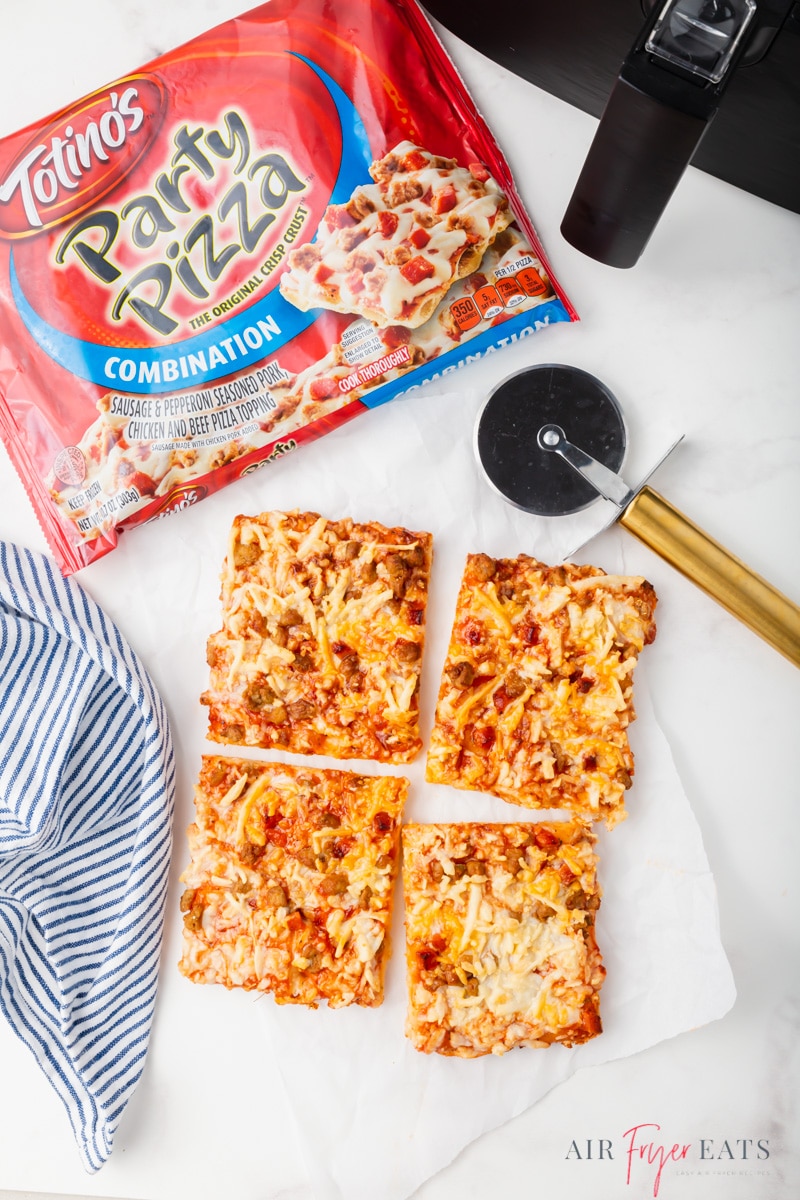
(639, 153)
(667, 94)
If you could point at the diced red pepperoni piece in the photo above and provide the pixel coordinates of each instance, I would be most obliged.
(387, 223)
(394, 336)
(478, 171)
(417, 269)
(337, 217)
(420, 238)
(129, 477)
(473, 633)
(323, 272)
(444, 200)
(479, 737)
(323, 389)
(530, 633)
(414, 161)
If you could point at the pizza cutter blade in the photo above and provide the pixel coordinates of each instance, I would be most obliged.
(551, 440)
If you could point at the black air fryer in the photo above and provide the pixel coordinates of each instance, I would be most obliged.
(714, 82)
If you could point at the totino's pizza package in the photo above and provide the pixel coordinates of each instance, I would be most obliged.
(288, 220)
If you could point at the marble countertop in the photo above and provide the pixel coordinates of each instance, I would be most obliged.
(700, 337)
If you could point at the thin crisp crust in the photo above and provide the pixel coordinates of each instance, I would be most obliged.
(289, 888)
(392, 252)
(500, 945)
(323, 630)
(537, 690)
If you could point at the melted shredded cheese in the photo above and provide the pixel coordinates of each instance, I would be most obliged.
(496, 956)
(323, 631)
(536, 694)
(290, 881)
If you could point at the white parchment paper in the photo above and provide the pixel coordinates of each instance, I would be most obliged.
(376, 1118)
(368, 1107)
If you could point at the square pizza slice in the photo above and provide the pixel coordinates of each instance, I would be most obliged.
(392, 252)
(320, 650)
(289, 889)
(537, 689)
(500, 945)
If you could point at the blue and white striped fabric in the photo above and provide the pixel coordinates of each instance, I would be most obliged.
(86, 801)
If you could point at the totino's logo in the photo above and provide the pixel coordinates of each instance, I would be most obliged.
(179, 499)
(80, 156)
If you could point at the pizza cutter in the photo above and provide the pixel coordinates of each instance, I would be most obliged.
(551, 440)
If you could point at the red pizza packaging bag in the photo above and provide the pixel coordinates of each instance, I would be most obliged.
(285, 222)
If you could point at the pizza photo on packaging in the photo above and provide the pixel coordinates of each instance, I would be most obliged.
(235, 248)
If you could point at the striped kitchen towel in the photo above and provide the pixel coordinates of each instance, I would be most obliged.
(86, 801)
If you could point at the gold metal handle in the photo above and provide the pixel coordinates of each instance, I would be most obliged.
(722, 576)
